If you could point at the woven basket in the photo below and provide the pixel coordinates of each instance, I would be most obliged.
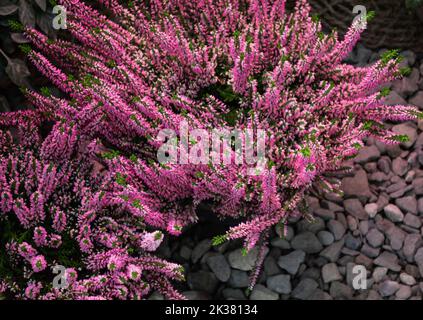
(393, 26)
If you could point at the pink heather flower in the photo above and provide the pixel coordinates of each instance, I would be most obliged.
(134, 272)
(174, 228)
(86, 245)
(71, 275)
(151, 241)
(115, 263)
(40, 236)
(59, 220)
(135, 71)
(38, 263)
(33, 290)
(26, 250)
(55, 241)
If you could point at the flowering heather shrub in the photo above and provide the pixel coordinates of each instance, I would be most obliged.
(53, 213)
(139, 68)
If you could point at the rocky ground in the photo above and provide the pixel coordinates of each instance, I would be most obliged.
(377, 223)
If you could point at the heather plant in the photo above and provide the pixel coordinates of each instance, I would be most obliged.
(66, 213)
(130, 71)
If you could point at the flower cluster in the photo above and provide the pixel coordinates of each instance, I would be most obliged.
(138, 69)
(63, 213)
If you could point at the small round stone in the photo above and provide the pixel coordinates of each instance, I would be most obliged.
(325, 237)
(371, 209)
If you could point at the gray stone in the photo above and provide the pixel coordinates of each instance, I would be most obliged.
(394, 99)
(330, 273)
(384, 164)
(370, 167)
(405, 129)
(333, 251)
(325, 237)
(325, 214)
(304, 289)
(417, 100)
(319, 295)
(396, 237)
(370, 251)
(403, 293)
(412, 221)
(373, 295)
(375, 238)
(396, 187)
(239, 279)
(292, 261)
(307, 242)
(420, 206)
(280, 283)
(260, 292)
(388, 288)
(407, 204)
(340, 291)
(411, 243)
(352, 223)
(352, 243)
(202, 281)
(418, 186)
(388, 260)
(219, 266)
(185, 252)
(331, 206)
(409, 177)
(371, 209)
(418, 257)
(245, 262)
(363, 226)
(337, 229)
(270, 266)
(200, 249)
(357, 186)
(280, 243)
(355, 208)
(313, 226)
(379, 274)
(363, 55)
(407, 86)
(399, 166)
(384, 224)
(407, 279)
(367, 154)
(393, 213)
(286, 233)
(409, 58)
(378, 177)
(229, 293)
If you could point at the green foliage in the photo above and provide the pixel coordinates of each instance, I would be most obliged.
(109, 155)
(15, 26)
(384, 92)
(218, 240)
(25, 48)
(306, 152)
(405, 71)
(390, 55)
(121, 179)
(45, 91)
(400, 138)
(370, 16)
